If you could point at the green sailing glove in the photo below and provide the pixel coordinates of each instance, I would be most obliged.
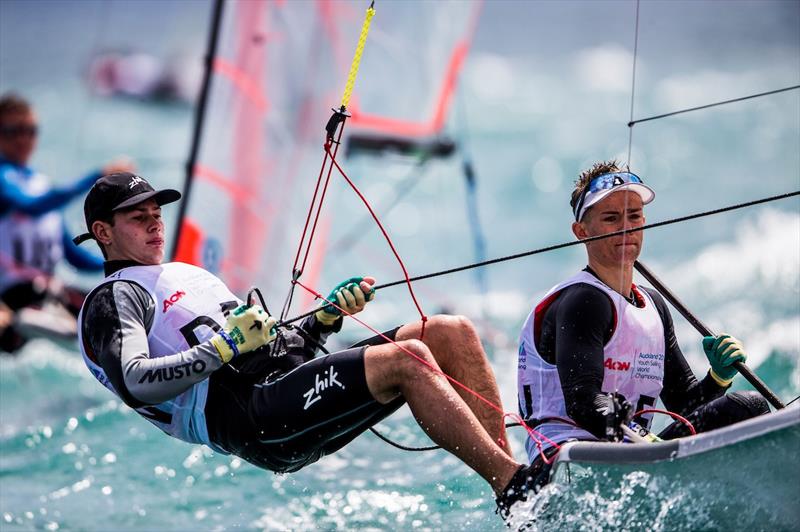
(352, 295)
(722, 351)
(247, 328)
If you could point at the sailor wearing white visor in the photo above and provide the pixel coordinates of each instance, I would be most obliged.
(604, 184)
(596, 336)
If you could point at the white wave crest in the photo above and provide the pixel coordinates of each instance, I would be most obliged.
(749, 287)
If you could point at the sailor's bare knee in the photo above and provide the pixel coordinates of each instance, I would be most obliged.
(412, 356)
(390, 366)
(453, 339)
(448, 325)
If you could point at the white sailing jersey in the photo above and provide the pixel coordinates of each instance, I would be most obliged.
(633, 361)
(188, 311)
(29, 245)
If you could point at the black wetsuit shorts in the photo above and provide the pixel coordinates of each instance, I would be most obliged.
(300, 414)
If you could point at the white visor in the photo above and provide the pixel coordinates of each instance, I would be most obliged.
(603, 185)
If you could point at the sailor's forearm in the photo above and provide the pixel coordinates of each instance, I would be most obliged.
(701, 392)
(583, 409)
(155, 380)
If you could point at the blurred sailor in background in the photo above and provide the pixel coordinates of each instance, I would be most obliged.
(33, 236)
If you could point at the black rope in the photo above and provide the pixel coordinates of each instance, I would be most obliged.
(793, 400)
(633, 85)
(400, 445)
(572, 243)
(593, 238)
(419, 449)
(400, 191)
(673, 113)
(199, 118)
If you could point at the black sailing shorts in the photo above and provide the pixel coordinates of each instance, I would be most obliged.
(294, 420)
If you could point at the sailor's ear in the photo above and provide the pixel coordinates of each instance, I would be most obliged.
(102, 232)
(579, 230)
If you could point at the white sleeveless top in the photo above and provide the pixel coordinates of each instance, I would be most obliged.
(29, 245)
(633, 361)
(187, 312)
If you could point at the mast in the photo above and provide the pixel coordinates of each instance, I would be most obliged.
(199, 117)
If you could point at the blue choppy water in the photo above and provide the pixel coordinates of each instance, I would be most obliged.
(74, 459)
(546, 90)
(699, 493)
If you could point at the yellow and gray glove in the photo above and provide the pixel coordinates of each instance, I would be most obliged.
(247, 328)
(351, 295)
(722, 352)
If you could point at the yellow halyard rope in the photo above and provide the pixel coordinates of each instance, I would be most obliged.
(351, 78)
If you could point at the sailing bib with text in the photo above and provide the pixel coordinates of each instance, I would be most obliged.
(189, 306)
(633, 360)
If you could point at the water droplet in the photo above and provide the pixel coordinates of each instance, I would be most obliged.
(81, 485)
(193, 458)
(69, 448)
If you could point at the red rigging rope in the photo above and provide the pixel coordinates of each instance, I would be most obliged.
(298, 272)
(670, 414)
(295, 271)
(423, 317)
(536, 436)
(338, 120)
(339, 117)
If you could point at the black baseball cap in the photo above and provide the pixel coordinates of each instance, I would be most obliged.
(118, 191)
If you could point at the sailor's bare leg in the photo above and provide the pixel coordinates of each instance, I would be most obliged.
(439, 410)
(457, 349)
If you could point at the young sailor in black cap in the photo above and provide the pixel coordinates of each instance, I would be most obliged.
(597, 334)
(176, 345)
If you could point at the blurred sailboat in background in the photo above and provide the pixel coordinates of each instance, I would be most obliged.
(275, 70)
